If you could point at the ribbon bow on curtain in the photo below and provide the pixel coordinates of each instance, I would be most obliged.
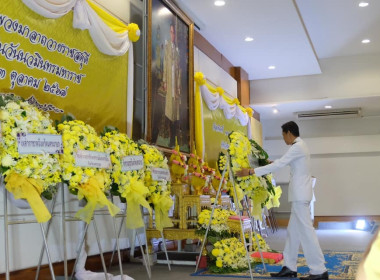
(110, 35)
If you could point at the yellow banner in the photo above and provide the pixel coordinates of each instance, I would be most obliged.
(216, 130)
(59, 69)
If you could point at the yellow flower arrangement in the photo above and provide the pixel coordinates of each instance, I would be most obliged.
(228, 255)
(218, 223)
(254, 187)
(264, 247)
(274, 199)
(27, 176)
(159, 191)
(129, 185)
(90, 183)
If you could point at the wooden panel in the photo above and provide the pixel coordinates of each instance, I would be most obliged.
(243, 85)
(202, 44)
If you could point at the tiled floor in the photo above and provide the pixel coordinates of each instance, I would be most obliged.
(337, 240)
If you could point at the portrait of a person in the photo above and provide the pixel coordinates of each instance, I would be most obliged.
(170, 83)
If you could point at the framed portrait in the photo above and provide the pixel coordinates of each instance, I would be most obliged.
(170, 76)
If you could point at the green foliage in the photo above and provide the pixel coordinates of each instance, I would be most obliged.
(108, 128)
(47, 194)
(8, 97)
(73, 191)
(65, 118)
(3, 169)
(263, 156)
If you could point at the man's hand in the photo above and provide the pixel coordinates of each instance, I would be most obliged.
(245, 172)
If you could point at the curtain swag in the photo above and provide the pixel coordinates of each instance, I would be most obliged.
(215, 98)
(110, 35)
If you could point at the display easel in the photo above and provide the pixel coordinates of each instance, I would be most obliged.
(7, 223)
(135, 233)
(65, 219)
(236, 202)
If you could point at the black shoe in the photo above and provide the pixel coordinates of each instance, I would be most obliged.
(285, 272)
(323, 276)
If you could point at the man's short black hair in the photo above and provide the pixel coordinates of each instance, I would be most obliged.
(292, 127)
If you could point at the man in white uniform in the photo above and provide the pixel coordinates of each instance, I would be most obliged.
(300, 228)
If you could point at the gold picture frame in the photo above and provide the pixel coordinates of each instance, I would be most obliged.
(170, 113)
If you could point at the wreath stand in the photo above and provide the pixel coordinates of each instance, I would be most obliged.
(84, 230)
(236, 202)
(135, 233)
(8, 222)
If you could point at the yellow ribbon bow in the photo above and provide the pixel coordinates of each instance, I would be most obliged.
(30, 189)
(162, 205)
(199, 78)
(220, 91)
(93, 192)
(133, 32)
(135, 195)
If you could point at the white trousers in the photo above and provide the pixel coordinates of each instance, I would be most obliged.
(301, 232)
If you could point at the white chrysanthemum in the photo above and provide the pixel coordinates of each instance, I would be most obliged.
(7, 161)
(12, 106)
(4, 115)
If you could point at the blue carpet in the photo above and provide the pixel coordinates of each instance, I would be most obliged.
(340, 265)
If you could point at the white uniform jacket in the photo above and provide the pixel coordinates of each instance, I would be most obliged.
(298, 158)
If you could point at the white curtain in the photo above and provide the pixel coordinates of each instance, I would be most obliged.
(215, 101)
(106, 40)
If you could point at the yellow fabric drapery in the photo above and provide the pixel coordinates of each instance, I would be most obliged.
(198, 121)
(92, 191)
(30, 189)
(162, 205)
(135, 195)
(114, 23)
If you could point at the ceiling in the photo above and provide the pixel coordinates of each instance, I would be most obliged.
(293, 35)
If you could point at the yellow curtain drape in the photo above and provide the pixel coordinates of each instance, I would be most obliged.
(198, 122)
(114, 23)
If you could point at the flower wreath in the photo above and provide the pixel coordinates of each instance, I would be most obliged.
(90, 183)
(129, 185)
(240, 149)
(228, 255)
(264, 247)
(159, 191)
(27, 176)
(222, 161)
(219, 226)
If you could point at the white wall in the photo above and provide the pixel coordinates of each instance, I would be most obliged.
(214, 73)
(345, 159)
(342, 77)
